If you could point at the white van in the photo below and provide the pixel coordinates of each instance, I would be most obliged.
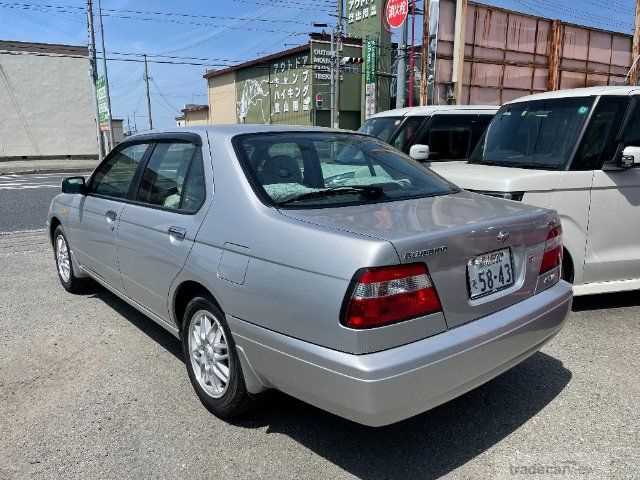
(578, 152)
(449, 131)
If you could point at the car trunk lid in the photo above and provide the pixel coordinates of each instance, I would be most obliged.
(447, 232)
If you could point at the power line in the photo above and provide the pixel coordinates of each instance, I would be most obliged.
(45, 8)
(70, 8)
(310, 67)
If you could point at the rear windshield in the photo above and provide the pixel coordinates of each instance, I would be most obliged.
(326, 169)
(381, 127)
(537, 134)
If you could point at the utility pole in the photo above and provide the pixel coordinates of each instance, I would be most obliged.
(94, 75)
(635, 57)
(146, 82)
(401, 79)
(106, 75)
(412, 53)
(424, 67)
(458, 50)
(339, 32)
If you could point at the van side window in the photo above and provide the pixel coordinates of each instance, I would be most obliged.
(406, 134)
(599, 141)
(631, 135)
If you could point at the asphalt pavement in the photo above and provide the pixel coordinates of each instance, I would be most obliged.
(24, 199)
(92, 389)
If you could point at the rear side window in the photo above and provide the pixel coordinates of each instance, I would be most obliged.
(114, 176)
(173, 177)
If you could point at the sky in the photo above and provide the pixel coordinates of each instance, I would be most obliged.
(222, 32)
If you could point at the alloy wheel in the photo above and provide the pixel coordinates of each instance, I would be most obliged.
(62, 258)
(209, 353)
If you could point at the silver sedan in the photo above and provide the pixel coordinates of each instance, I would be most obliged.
(318, 262)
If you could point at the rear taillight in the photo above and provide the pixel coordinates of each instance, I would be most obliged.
(384, 295)
(552, 257)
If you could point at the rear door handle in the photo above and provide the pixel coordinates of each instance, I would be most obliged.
(178, 233)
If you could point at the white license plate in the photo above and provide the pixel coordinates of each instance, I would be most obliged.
(490, 273)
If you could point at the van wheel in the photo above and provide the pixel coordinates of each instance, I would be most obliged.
(567, 267)
(212, 362)
(64, 263)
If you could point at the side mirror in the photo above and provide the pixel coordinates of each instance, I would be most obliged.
(74, 185)
(630, 157)
(419, 152)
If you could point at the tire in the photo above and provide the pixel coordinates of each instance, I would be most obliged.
(225, 400)
(64, 263)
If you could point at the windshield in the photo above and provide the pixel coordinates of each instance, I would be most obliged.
(381, 127)
(319, 169)
(536, 134)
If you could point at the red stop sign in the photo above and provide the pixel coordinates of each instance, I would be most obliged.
(396, 12)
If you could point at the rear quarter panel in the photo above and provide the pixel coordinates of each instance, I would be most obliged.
(284, 274)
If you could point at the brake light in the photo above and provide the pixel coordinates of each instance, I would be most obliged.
(552, 257)
(384, 295)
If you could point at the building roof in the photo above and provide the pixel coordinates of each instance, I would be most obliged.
(581, 92)
(192, 107)
(43, 48)
(258, 61)
(321, 37)
(431, 109)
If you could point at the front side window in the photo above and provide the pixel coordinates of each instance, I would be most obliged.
(631, 134)
(381, 127)
(536, 134)
(168, 178)
(598, 143)
(114, 176)
(405, 136)
(337, 169)
(449, 137)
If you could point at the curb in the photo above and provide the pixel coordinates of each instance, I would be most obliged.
(46, 170)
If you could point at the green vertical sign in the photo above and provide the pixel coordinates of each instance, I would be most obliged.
(103, 106)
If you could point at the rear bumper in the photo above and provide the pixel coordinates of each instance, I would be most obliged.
(385, 387)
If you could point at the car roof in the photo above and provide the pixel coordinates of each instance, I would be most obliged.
(580, 92)
(229, 130)
(437, 109)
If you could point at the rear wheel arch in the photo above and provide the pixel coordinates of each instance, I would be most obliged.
(568, 271)
(53, 224)
(184, 293)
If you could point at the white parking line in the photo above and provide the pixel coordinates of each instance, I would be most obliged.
(24, 232)
(13, 186)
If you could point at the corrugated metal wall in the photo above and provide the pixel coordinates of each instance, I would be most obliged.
(507, 55)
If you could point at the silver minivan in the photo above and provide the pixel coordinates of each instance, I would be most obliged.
(322, 263)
